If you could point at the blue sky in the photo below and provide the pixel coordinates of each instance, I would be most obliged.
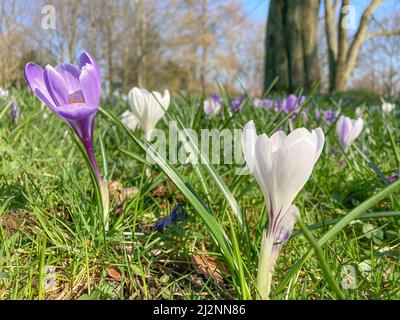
(258, 9)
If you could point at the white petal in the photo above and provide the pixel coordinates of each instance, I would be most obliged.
(277, 140)
(292, 167)
(356, 130)
(285, 226)
(320, 140)
(263, 168)
(129, 120)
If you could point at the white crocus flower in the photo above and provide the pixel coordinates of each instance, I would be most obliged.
(348, 130)
(148, 108)
(388, 107)
(281, 165)
(129, 120)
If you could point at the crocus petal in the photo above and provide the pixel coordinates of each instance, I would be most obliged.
(290, 103)
(89, 83)
(343, 129)
(70, 74)
(249, 138)
(277, 140)
(292, 167)
(262, 168)
(34, 75)
(137, 102)
(56, 86)
(356, 130)
(129, 120)
(320, 140)
(286, 224)
(76, 111)
(85, 58)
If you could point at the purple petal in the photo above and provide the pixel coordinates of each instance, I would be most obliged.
(76, 111)
(290, 102)
(34, 75)
(90, 85)
(56, 86)
(70, 74)
(344, 131)
(85, 59)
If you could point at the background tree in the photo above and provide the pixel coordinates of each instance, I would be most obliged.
(342, 50)
(291, 44)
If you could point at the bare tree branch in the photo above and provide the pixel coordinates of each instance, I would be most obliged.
(382, 33)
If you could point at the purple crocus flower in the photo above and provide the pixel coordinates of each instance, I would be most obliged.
(268, 103)
(301, 100)
(331, 116)
(213, 106)
(237, 104)
(348, 130)
(258, 103)
(72, 93)
(394, 177)
(14, 110)
(318, 114)
(280, 104)
(292, 103)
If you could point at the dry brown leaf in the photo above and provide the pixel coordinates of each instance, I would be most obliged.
(207, 265)
(112, 273)
(119, 193)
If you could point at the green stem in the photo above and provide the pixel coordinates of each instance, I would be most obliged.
(322, 261)
(264, 275)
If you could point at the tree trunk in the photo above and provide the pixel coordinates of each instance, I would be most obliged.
(276, 62)
(294, 47)
(310, 43)
(291, 44)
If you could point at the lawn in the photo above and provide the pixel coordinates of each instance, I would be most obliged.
(192, 231)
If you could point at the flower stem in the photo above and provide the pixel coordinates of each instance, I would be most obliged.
(264, 275)
(102, 184)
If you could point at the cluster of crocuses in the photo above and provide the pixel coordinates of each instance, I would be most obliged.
(73, 94)
(214, 105)
(328, 115)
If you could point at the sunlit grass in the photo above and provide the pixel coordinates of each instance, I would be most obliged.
(47, 205)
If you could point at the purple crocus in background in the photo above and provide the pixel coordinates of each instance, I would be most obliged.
(280, 104)
(14, 110)
(213, 105)
(394, 177)
(331, 116)
(258, 103)
(237, 104)
(73, 94)
(318, 114)
(292, 103)
(348, 130)
(268, 103)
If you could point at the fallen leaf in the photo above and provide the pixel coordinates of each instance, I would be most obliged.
(112, 273)
(207, 265)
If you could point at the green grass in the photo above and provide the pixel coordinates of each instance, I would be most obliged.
(49, 213)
